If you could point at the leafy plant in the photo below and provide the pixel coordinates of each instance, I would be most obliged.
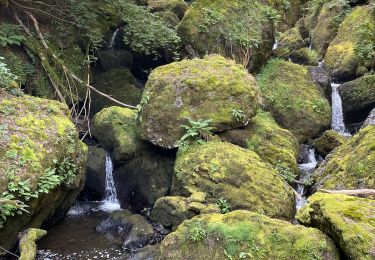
(10, 34)
(285, 172)
(48, 181)
(67, 169)
(223, 206)
(238, 114)
(6, 76)
(195, 131)
(9, 206)
(196, 232)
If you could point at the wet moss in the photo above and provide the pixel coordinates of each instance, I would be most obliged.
(350, 221)
(294, 99)
(210, 88)
(244, 234)
(348, 52)
(351, 166)
(329, 141)
(28, 243)
(289, 41)
(224, 170)
(116, 129)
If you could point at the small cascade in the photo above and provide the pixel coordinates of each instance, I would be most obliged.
(306, 169)
(113, 39)
(275, 45)
(337, 114)
(310, 46)
(320, 64)
(110, 202)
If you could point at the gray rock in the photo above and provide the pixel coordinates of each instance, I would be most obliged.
(95, 175)
(111, 59)
(322, 79)
(370, 119)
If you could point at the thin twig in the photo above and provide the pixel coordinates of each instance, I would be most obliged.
(8, 252)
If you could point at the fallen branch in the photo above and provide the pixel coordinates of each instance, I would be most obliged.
(360, 192)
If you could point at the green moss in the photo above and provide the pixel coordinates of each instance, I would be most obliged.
(246, 235)
(352, 165)
(241, 30)
(28, 243)
(224, 170)
(329, 141)
(178, 7)
(289, 41)
(293, 98)
(348, 220)
(117, 131)
(208, 88)
(305, 56)
(344, 54)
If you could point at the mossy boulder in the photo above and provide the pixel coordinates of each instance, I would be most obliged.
(145, 178)
(95, 173)
(119, 84)
(178, 7)
(351, 166)
(171, 211)
(224, 170)
(265, 137)
(240, 29)
(348, 220)
(330, 16)
(212, 88)
(289, 41)
(329, 141)
(28, 243)
(351, 49)
(305, 56)
(42, 162)
(243, 234)
(358, 96)
(116, 129)
(294, 99)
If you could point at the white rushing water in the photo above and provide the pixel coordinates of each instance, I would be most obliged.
(275, 45)
(113, 38)
(306, 170)
(110, 202)
(337, 123)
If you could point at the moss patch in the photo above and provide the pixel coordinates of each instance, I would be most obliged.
(329, 141)
(350, 221)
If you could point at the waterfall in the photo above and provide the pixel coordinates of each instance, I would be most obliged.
(275, 45)
(110, 202)
(337, 115)
(306, 170)
(113, 38)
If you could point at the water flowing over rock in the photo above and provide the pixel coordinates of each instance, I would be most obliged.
(337, 124)
(110, 202)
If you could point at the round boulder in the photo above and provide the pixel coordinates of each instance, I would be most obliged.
(212, 88)
(226, 171)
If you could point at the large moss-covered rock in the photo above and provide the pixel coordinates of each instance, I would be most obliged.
(145, 178)
(351, 50)
(358, 96)
(289, 41)
(330, 16)
(349, 221)
(116, 129)
(178, 7)
(245, 235)
(212, 88)
(294, 99)
(351, 166)
(329, 141)
(42, 162)
(272, 143)
(305, 56)
(240, 29)
(28, 243)
(119, 84)
(224, 170)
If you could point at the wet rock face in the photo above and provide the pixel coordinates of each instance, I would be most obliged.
(347, 219)
(358, 98)
(111, 59)
(322, 79)
(370, 119)
(212, 88)
(239, 234)
(133, 229)
(95, 174)
(294, 99)
(145, 178)
(351, 166)
(224, 170)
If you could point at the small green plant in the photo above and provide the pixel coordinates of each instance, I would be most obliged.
(285, 172)
(139, 108)
(238, 114)
(10, 34)
(223, 206)
(48, 181)
(6, 76)
(195, 131)
(67, 169)
(9, 206)
(196, 232)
